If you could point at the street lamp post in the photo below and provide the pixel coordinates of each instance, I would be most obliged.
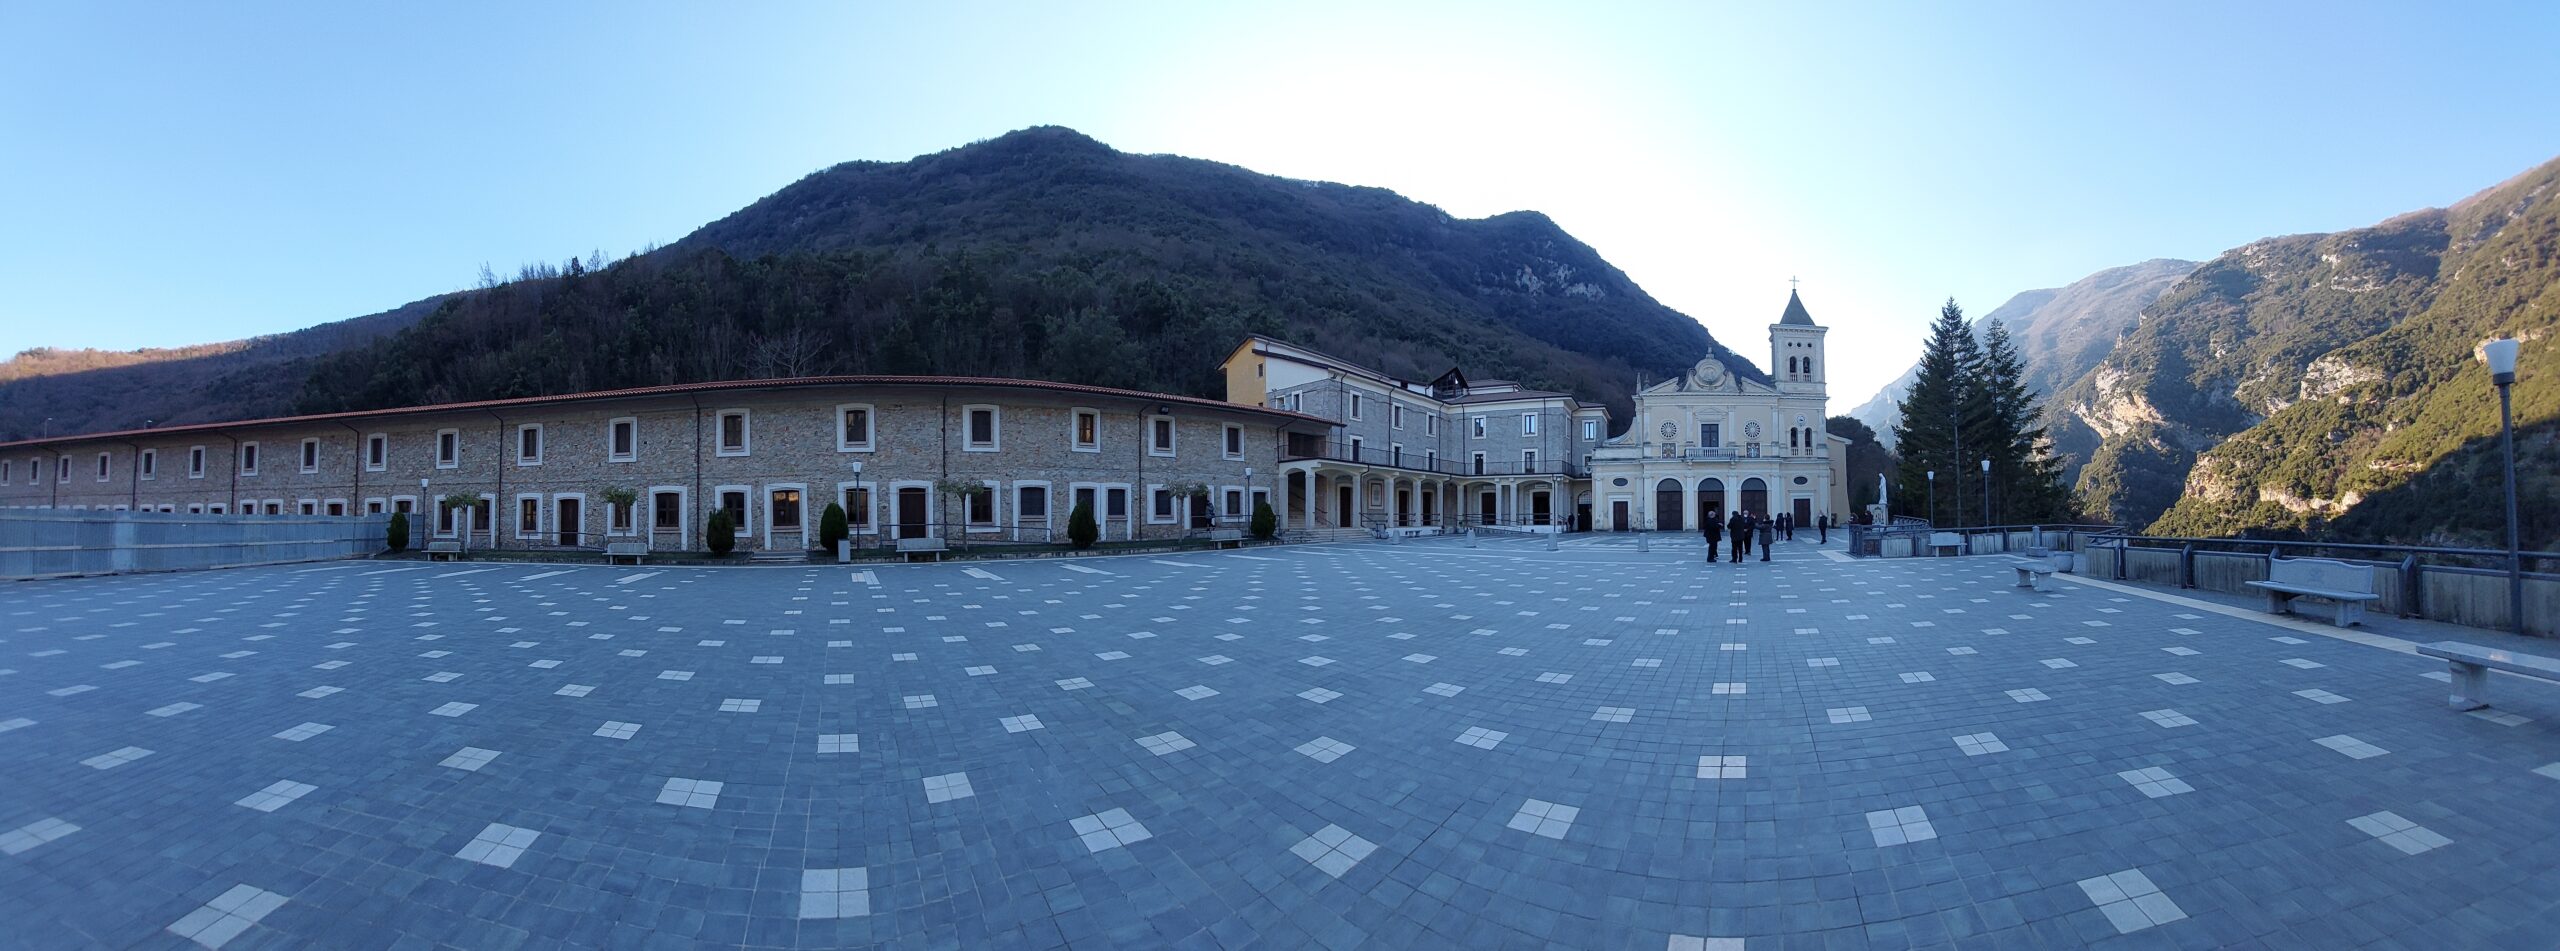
(1933, 496)
(2501, 355)
(857, 490)
(1986, 492)
(1248, 491)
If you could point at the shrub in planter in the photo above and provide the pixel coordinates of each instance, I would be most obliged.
(397, 537)
(1082, 530)
(718, 534)
(831, 527)
(1266, 522)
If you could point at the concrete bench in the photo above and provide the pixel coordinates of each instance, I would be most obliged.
(2033, 572)
(636, 551)
(1227, 538)
(1948, 542)
(922, 549)
(2350, 586)
(2471, 663)
(444, 551)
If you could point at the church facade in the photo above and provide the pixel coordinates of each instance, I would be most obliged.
(1713, 441)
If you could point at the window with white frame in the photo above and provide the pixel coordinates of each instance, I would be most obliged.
(248, 458)
(1234, 441)
(1479, 459)
(1086, 434)
(853, 427)
(1355, 449)
(1115, 504)
(6, 465)
(1528, 461)
(1031, 505)
(62, 469)
(1355, 404)
(622, 440)
(618, 516)
(307, 507)
(104, 466)
(148, 465)
(448, 448)
(980, 508)
(733, 500)
(857, 508)
(529, 444)
(310, 455)
(1475, 427)
(528, 516)
(214, 509)
(1590, 430)
(666, 511)
(195, 462)
(1395, 454)
(1160, 433)
(736, 439)
(373, 506)
(982, 427)
(1431, 459)
(1159, 505)
(1395, 416)
(1431, 424)
(1235, 502)
(195, 508)
(377, 452)
(1528, 424)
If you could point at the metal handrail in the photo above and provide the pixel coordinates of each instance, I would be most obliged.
(1370, 455)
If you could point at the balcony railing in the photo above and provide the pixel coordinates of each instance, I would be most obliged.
(1745, 451)
(1374, 456)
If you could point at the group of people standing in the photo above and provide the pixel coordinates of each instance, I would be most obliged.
(1743, 526)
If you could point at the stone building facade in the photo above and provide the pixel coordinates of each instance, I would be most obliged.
(772, 452)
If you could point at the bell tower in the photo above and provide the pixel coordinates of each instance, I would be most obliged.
(1796, 359)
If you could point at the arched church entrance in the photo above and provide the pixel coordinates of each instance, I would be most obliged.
(1710, 501)
(1666, 505)
(1755, 497)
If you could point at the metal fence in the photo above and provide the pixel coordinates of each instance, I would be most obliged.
(1908, 537)
(46, 543)
(2466, 586)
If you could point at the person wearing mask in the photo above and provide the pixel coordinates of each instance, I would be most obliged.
(1739, 526)
(1768, 533)
(1714, 531)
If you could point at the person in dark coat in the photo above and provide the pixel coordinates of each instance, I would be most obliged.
(1768, 532)
(1783, 526)
(1714, 531)
(1823, 523)
(1739, 526)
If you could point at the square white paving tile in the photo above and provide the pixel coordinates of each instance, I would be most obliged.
(2057, 663)
(617, 730)
(2319, 695)
(1109, 829)
(1918, 677)
(316, 693)
(115, 758)
(833, 679)
(304, 732)
(1113, 655)
(2155, 781)
(173, 709)
(1722, 767)
(1962, 651)
(34, 834)
(2028, 695)
(2548, 770)
(1214, 660)
(1900, 826)
(469, 759)
(1849, 715)
(1513, 652)
(2183, 651)
(692, 793)
(1074, 683)
(2083, 641)
(1687, 942)
(2352, 747)
(1540, 817)
(1324, 749)
(1733, 646)
(1551, 677)
(1196, 692)
(1822, 662)
(839, 743)
(1320, 695)
(1443, 689)
(442, 677)
(2177, 678)
(225, 917)
(1165, 743)
(1614, 714)
(2130, 901)
(1333, 850)
(2499, 717)
(454, 709)
(1646, 662)
(2168, 718)
(1023, 723)
(2409, 837)
(1421, 658)
(1318, 660)
(947, 787)
(277, 795)
(499, 844)
(574, 690)
(920, 701)
(2288, 640)
(2301, 663)
(835, 892)
(740, 705)
(1482, 738)
(675, 675)
(1978, 744)
(15, 723)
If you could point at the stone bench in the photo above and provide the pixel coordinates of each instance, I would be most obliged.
(1948, 542)
(1227, 538)
(2471, 663)
(444, 551)
(636, 551)
(922, 549)
(2033, 572)
(2350, 586)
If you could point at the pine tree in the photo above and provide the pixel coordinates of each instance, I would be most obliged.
(1942, 425)
(2026, 479)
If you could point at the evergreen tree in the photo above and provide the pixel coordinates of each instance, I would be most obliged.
(1082, 531)
(1941, 428)
(2026, 479)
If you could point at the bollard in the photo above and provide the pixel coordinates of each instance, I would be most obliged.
(1644, 542)
(1471, 538)
(1551, 541)
(844, 551)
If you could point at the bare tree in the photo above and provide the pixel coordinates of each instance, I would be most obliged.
(795, 351)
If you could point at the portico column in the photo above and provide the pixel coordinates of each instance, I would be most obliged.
(1313, 492)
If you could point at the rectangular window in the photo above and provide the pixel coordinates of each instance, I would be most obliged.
(786, 510)
(1528, 461)
(857, 508)
(373, 506)
(448, 448)
(529, 444)
(195, 462)
(617, 517)
(1528, 424)
(734, 433)
(981, 509)
(1355, 406)
(1479, 463)
(377, 452)
(483, 522)
(1235, 502)
(307, 507)
(404, 505)
(1031, 503)
(1088, 431)
(1159, 505)
(150, 465)
(1431, 460)
(104, 466)
(6, 474)
(1355, 449)
(622, 440)
(1590, 430)
(248, 458)
(1395, 416)
(311, 455)
(528, 516)
(1115, 504)
(1711, 435)
(1395, 454)
(668, 514)
(275, 506)
(214, 509)
(62, 469)
(853, 428)
(983, 431)
(445, 517)
(1475, 427)
(336, 507)
(734, 502)
(1160, 442)
(1235, 442)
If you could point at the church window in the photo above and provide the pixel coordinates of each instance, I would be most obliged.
(1710, 435)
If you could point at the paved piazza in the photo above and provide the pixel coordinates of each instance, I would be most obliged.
(1422, 745)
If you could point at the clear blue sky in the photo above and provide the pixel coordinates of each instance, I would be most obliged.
(186, 172)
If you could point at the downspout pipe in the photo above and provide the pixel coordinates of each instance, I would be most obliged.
(681, 530)
(355, 486)
(498, 489)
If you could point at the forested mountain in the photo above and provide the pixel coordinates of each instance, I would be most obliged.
(2060, 331)
(1041, 253)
